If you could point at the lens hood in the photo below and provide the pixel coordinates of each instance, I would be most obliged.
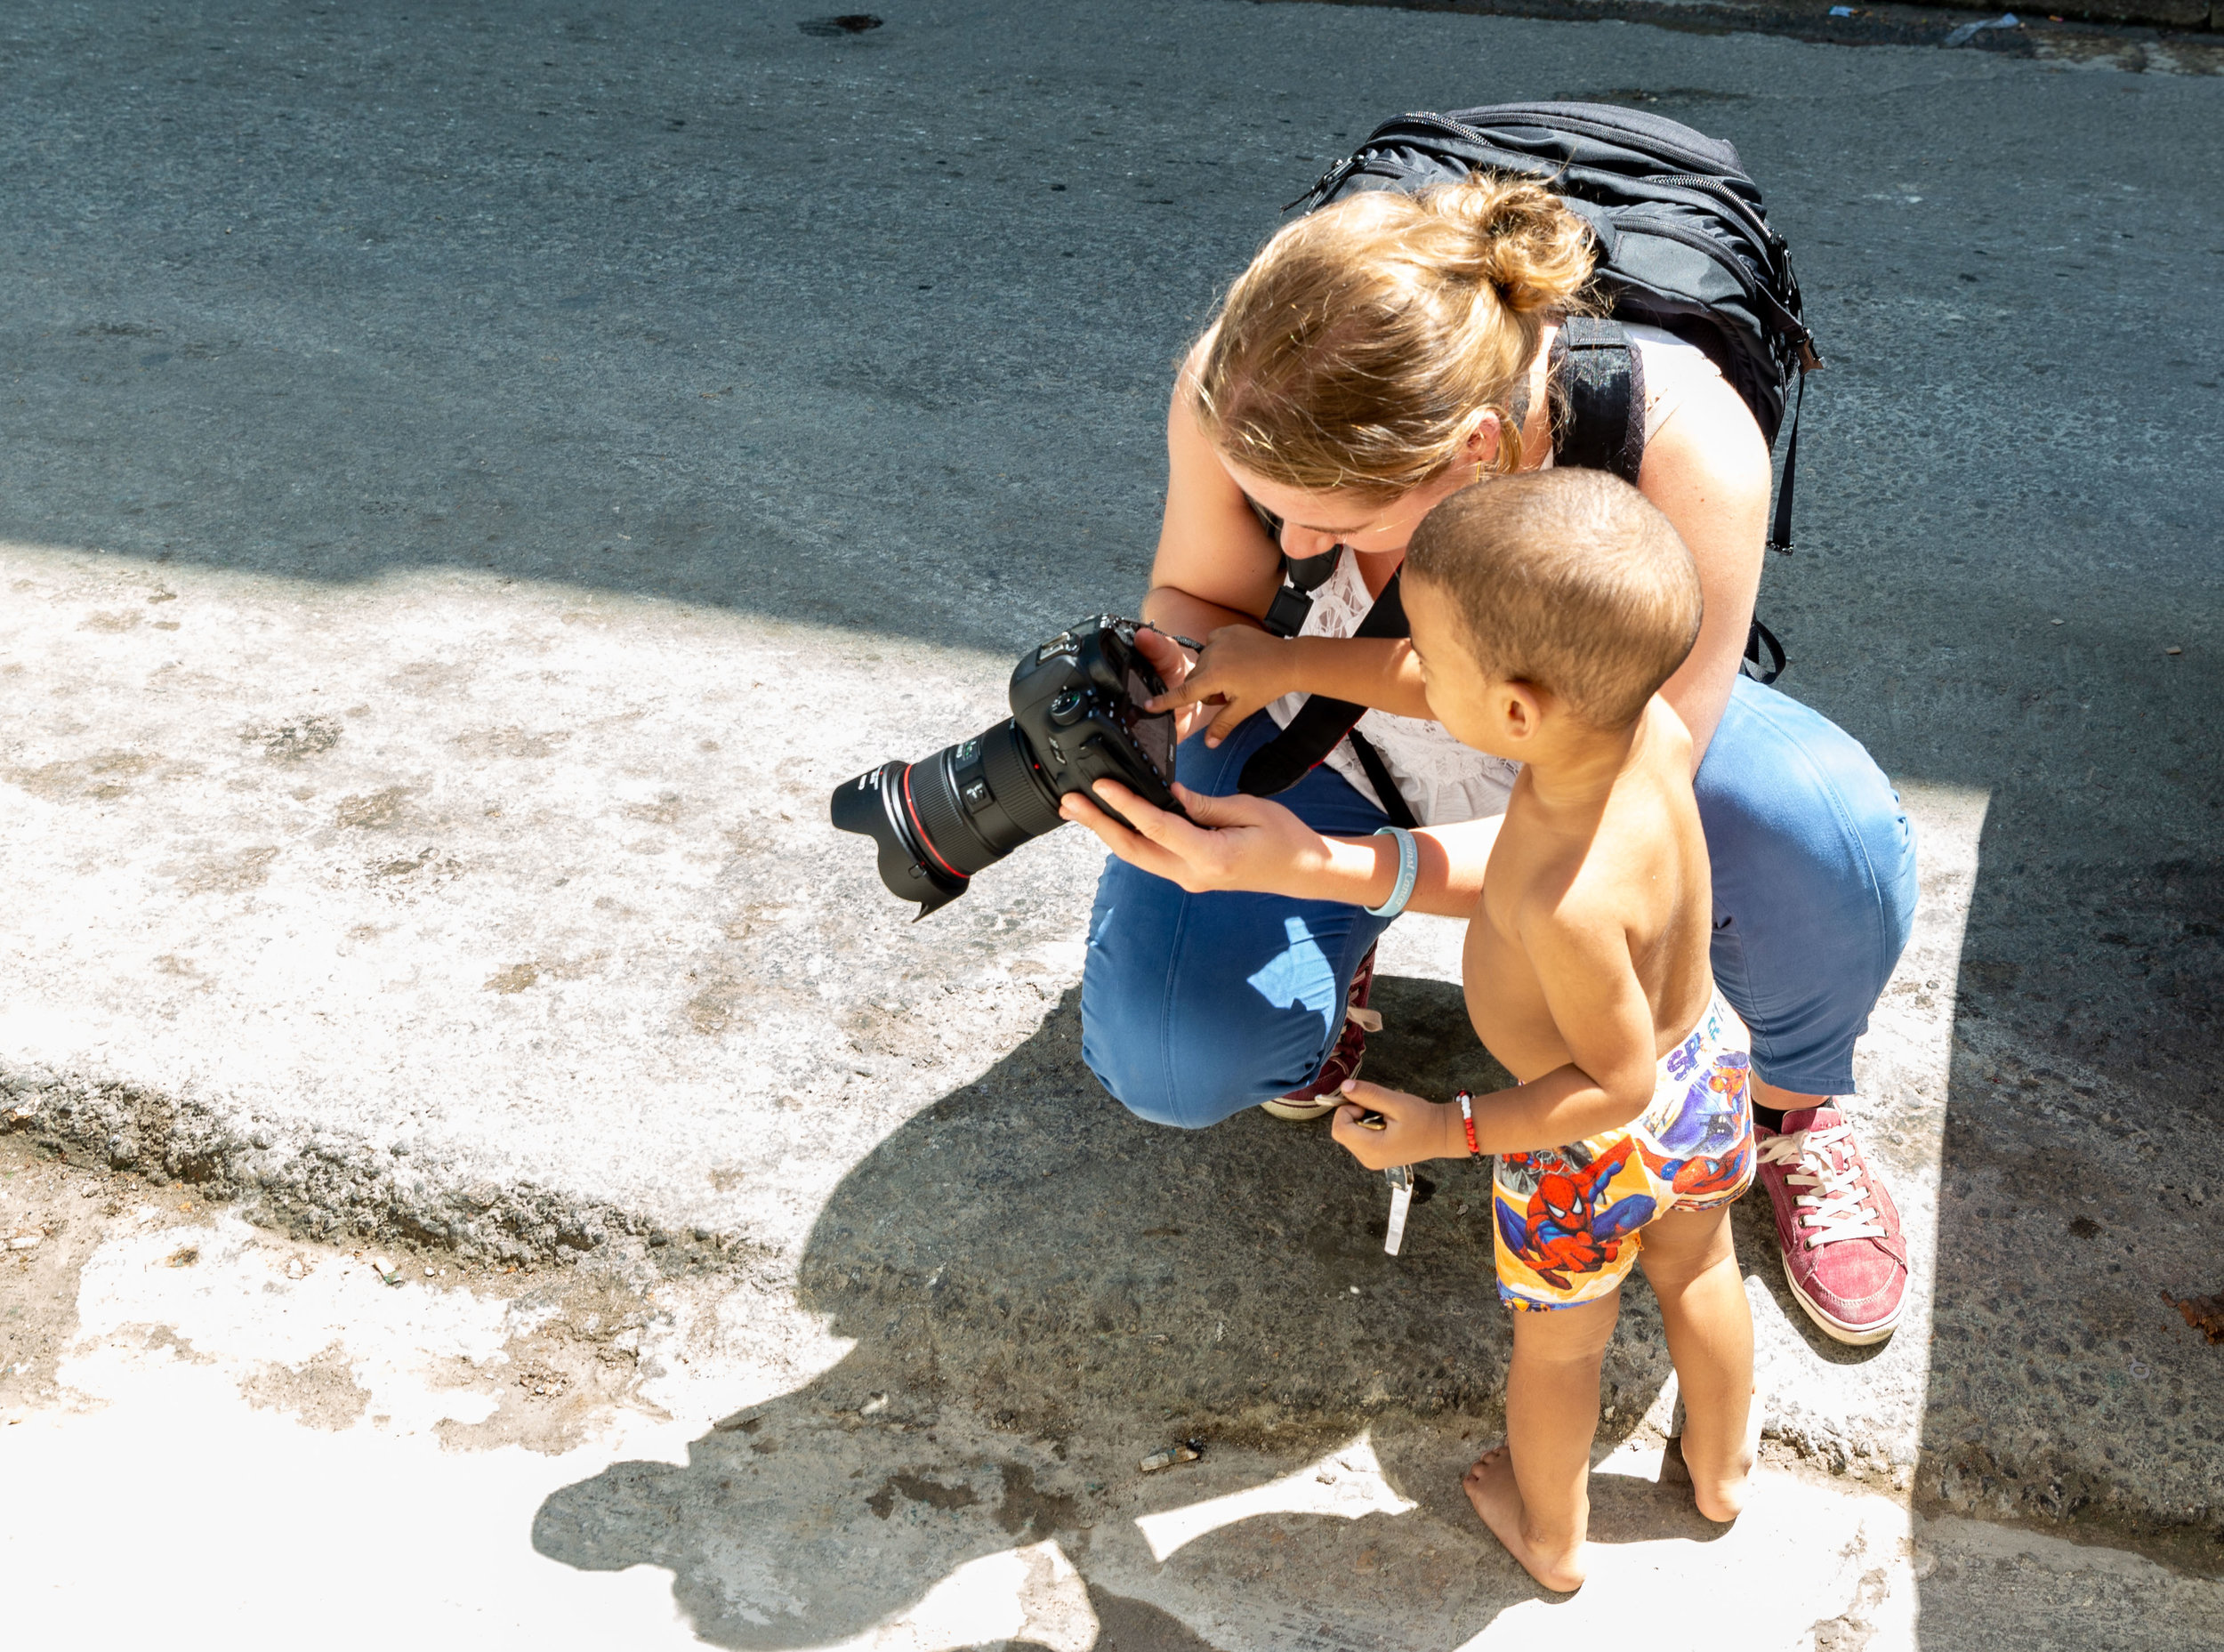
(872, 805)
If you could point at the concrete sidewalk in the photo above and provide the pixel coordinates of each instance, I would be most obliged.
(390, 1455)
(472, 483)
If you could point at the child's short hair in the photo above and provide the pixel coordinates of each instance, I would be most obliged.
(1569, 579)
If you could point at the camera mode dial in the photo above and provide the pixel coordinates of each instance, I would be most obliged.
(1065, 709)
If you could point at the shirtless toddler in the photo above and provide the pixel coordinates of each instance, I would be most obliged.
(1547, 610)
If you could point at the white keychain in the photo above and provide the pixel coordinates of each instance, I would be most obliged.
(1400, 1178)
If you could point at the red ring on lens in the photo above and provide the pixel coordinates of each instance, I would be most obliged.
(920, 831)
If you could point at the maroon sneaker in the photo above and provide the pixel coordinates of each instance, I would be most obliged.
(1320, 1098)
(1837, 1226)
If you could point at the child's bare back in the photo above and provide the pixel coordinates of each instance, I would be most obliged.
(1642, 869)
(1547, 610)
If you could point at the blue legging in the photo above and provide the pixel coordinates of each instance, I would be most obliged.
(1193, 1007)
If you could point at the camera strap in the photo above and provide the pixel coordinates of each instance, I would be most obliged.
(1301, 576)
(1379, 776)
(1321, 723)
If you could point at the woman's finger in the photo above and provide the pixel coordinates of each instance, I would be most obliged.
(1195, 857)
(1174, 663)
(1162, 828)
(1126, 844)
(1234, 809)
(1081, 812)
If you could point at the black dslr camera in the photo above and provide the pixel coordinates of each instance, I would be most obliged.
(1076, 717)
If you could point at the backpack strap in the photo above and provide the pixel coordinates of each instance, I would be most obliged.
(1780, 531)
(1603, 381)
(1764, 660)
(1300, 578)
(1321, 723)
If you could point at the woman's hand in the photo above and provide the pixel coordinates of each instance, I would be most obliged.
(1242, 670)
(1226, 842)
(1412, 1130)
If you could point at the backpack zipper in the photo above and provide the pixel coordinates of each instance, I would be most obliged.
(1775, 311)
(1714, 190)
(1590, 129)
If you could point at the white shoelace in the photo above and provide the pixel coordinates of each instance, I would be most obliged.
(1835, 1208)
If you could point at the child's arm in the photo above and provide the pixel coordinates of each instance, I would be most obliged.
(1245, 668)
(1600, 1009)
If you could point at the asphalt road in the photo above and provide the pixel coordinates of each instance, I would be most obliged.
(472, 480)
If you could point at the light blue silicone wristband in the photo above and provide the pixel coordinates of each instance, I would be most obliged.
(1408, 872)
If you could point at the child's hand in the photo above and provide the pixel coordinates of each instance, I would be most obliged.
(1412, 1130)
(1173, 663)
(1241, 669)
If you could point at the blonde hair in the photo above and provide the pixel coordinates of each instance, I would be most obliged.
(1367, 340)
(1571, 579)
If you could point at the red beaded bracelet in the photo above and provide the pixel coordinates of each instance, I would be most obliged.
(1467, 1118)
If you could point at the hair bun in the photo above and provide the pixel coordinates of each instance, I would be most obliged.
(1361, 347)
(1530, 249)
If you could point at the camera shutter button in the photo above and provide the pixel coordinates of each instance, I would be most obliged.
(1065, 709)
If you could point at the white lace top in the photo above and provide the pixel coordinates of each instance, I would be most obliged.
(1441, 780)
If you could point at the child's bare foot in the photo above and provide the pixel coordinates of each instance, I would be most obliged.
(1491, 1487)
(1721, 1496)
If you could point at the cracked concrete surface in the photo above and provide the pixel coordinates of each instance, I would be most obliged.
(556, 1463)
(472, 484)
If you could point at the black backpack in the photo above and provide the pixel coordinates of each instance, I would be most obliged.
(1683, 244)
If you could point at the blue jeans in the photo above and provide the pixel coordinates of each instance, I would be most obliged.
(1193, 1007)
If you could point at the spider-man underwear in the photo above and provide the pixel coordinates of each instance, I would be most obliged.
(1568, 1219)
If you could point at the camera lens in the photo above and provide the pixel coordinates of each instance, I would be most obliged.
(941, 819)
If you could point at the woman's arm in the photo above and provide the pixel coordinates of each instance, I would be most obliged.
(1707, 469)
(1215, 565)
(1254, 843)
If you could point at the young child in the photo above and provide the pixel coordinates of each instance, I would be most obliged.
(1547, 610)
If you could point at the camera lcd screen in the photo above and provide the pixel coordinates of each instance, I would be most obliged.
(1154, 734)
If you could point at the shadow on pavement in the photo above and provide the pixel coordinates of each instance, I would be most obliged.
(2078, 1175)
(1046, 1290)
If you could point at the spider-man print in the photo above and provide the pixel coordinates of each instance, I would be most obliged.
(1705, 1116)
(1568, 1229)
(1702, 1180)
(1570, 1219)
(1703, 1146)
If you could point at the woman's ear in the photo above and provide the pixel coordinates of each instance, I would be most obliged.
(1482, 444)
